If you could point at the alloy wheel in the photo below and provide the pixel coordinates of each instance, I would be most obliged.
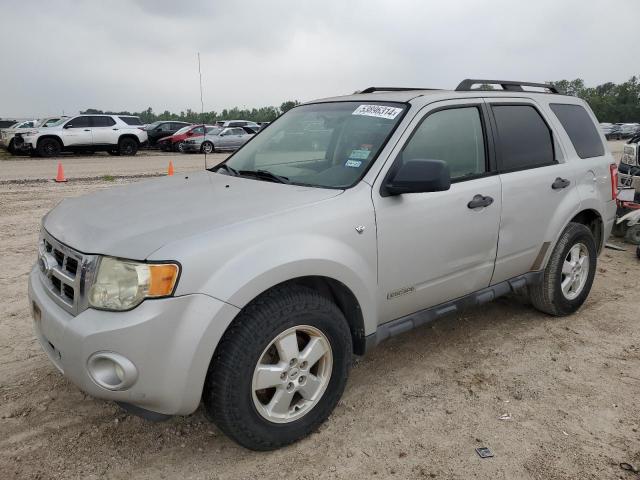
(292, 374)
(575, 271)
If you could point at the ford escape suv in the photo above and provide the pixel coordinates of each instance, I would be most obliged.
(249, 286)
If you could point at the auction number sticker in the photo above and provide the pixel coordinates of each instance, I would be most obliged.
(380, 111)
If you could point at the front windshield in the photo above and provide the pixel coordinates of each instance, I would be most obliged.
(325, 144)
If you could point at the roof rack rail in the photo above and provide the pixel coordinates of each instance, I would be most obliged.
(510, 85)
(391, 89)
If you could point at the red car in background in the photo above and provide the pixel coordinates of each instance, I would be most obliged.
(173, 143)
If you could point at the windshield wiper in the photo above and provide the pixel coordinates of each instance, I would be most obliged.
(232, 171)
(265, 175)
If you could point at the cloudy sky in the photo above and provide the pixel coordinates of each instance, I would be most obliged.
(129, 55)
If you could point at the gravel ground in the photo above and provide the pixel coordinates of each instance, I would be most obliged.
(416, 407)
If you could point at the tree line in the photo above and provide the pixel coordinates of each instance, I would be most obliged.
(262, 114)
(611, 102)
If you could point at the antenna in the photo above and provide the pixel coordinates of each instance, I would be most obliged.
(204, 128)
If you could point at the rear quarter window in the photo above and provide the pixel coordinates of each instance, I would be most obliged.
(131, 120)
(582, 132)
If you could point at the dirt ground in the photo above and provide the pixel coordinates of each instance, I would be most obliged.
(416, 407)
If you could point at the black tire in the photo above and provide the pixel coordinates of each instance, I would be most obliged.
(49, 147)
(207, 147)
(638, 252)
(11, 148)
(229, 403)
(127, 146)
(632, 235)
(547, 296)
(179, 147)
(618, 229)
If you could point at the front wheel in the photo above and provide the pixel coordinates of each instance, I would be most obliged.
(207, 147)
(280, 368)
(569, 273)
(49, 147)
(179, 147)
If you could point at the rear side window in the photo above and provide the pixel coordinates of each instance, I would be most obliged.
(131, 120)
(454, 136)
(524, 139)
(583, 134)
(103, 121)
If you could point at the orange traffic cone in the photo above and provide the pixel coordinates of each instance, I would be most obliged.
(60, 177)
(170, 170)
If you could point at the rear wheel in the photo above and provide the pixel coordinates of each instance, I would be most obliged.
(49, 147)
(280, 368)
(127, 146)
(207, 147)
(569, 273)
(633, 235)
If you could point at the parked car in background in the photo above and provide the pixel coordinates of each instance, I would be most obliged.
(220, 139)
(162, 129)
(611, 131)
(83, 133)
(236, 123)
(7, 134)
(628, 130)
(174, 143)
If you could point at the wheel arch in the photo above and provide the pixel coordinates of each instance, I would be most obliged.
(49, 136)
(128, 135)
(593, 220)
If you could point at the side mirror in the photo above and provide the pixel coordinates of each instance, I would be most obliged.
(418, 176)
(68, 125)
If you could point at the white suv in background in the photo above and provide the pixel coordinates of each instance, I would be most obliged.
(116, 134)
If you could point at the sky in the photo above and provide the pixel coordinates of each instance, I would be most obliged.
(67, 55)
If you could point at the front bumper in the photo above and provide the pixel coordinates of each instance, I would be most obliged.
(170, 341)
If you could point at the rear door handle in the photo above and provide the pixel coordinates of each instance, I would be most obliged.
(114, 129)
(560, 183)
(480, 201)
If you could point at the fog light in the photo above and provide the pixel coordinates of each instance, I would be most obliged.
(112, 371)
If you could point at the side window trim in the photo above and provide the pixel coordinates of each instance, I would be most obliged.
(498, 154)
(487, 141)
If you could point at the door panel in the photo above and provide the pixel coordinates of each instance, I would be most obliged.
(432, 247)
(104, 131)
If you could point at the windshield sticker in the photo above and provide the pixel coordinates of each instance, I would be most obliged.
(353, 163)
(380, 111)
(359, 154)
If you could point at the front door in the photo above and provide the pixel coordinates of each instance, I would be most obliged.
(77, 132)
(434, 247)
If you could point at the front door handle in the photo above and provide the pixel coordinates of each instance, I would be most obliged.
(87, 129)
(114, 129)
(480, 201)
(560, 183)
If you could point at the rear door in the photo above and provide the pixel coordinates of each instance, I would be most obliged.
(436, 246)
(536, 180)
(105, 130)
(77, 132)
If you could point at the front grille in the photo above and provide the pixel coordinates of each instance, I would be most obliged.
(64, 272)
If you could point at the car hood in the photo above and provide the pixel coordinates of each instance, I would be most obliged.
(133, 221)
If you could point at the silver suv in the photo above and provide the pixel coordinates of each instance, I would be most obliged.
(248, 287)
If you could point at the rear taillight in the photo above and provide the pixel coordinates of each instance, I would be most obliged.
(613, 169)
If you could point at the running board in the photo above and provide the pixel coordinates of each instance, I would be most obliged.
(428, 315)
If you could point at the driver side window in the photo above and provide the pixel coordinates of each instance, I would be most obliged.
(453, 135)
(79, 122)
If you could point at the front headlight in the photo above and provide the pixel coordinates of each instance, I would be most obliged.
(124, 284)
